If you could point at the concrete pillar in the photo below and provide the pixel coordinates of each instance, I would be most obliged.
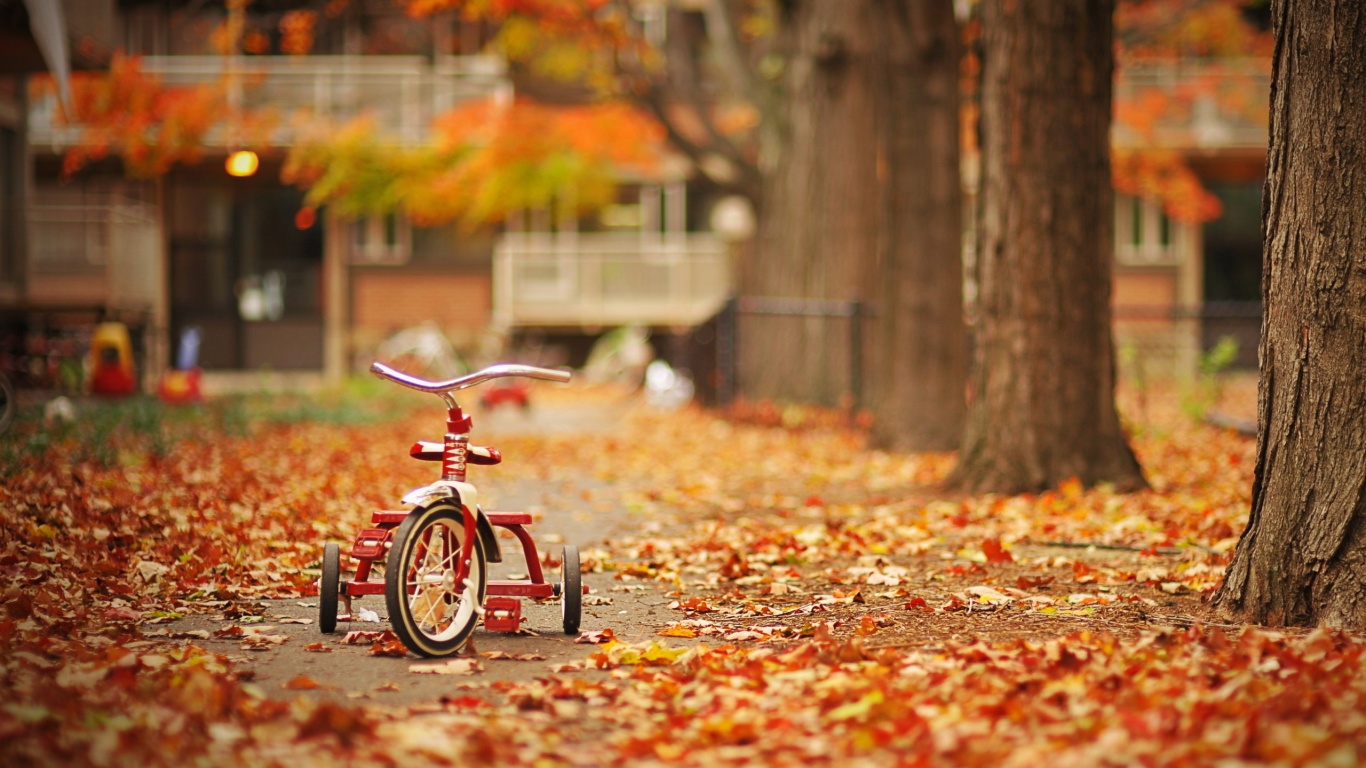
(336, 300)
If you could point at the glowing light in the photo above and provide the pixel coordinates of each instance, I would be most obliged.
(305, 218)
(242, 163)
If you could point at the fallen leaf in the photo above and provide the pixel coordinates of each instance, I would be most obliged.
(388, 644)
(918, 603)
(988, 594)
(597, 637)
(452, 667)
(255, 642)
(995, 553)
(301, 683)
(465, 702)
(1034, 582)
(866, 626)
(119, 613)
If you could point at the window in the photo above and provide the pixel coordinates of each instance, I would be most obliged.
(383, 239)
(83, 230)
(1144, 234)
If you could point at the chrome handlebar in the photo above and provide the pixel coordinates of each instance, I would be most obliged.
(444, 388)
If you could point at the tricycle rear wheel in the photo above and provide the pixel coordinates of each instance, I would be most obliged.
(571, 590)
(327, 588)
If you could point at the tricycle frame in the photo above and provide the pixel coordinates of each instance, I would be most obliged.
(478, 543)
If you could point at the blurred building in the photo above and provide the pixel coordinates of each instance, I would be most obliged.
(273, 290)
(270, 289)
(1181, 287)
(55, 36)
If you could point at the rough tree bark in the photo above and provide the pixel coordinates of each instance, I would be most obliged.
(864, 204)
(1302, 559)
(917, 354)
(1042, 404)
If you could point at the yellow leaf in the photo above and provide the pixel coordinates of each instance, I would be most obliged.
(859, 708)
(662, 653)
(678, 630)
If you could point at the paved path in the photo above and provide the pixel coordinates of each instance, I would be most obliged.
(633, 610)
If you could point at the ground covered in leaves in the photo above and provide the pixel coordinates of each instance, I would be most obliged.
(826, 604)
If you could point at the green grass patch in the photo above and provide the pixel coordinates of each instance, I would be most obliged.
(112, 432)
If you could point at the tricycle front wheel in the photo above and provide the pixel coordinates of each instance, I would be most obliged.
(432, 608)
(571, 590)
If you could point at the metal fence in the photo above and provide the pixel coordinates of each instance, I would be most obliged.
(750, 319)
(1170, 343)
(1173, 342)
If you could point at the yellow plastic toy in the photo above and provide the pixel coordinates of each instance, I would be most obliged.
(111, 361)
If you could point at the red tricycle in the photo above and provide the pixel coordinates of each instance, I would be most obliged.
(435, 556)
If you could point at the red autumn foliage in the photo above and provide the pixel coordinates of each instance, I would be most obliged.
(842, 638)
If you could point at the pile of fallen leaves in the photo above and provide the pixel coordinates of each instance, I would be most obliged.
(829, 606)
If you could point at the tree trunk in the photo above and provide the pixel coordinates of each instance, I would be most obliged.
(1302, 559)
(918, 355)
(1042, 405)
(864, 205)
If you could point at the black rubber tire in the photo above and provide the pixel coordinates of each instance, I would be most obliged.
(327, 589)
(9, 402)
(413, 562)
(571, 590)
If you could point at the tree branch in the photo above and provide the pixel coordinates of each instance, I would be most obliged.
(659, 91)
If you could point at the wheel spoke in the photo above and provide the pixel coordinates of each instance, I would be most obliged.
(429, 607)
(433, 589)
(426, 596)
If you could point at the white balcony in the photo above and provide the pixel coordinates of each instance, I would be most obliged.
(601, 280)
(1206, 104)
(403, 93)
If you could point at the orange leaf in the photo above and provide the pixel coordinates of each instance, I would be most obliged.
(302, 683)
(678, 630)
(996, 554)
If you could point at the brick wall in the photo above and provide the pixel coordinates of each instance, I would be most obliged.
(384, 301)
(1148, 289)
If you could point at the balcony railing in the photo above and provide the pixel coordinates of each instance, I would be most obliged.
(403, 93)
(1205, 103)
(601, 280)
(1194, 103)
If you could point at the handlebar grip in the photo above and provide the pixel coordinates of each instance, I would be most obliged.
(552, 374)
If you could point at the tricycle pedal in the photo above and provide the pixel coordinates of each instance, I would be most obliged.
(370, 544)
(502, 614)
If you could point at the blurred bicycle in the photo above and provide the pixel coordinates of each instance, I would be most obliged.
(620, 357)
(424, 349)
